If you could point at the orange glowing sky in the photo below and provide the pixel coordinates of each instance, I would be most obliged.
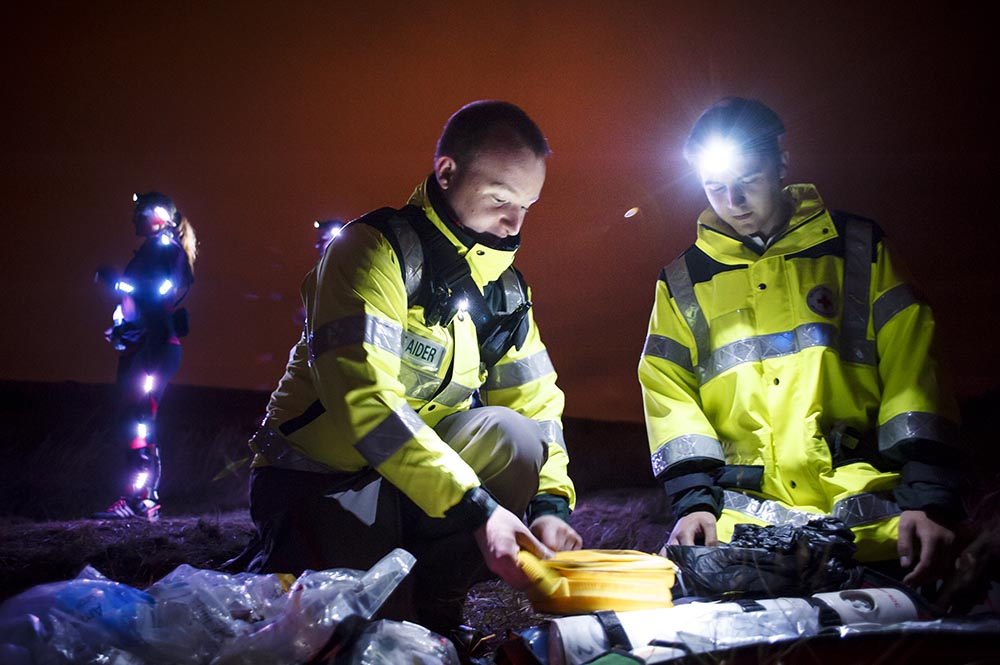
(258, 118)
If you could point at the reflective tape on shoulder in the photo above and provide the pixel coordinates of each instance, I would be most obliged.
(682, 289)
(685, 447)
(389, 435)
(411, 254)
(355, 330)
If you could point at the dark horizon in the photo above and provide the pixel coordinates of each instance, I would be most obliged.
(259, 121)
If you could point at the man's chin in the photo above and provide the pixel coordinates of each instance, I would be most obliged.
(493, 241)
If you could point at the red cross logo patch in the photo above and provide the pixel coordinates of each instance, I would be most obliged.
(821, 301)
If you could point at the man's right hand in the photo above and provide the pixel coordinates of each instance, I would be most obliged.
(500, 539)
(697, 528)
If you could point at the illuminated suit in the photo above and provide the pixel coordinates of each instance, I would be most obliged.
(798, 379)
(370, 440)
(148, 336)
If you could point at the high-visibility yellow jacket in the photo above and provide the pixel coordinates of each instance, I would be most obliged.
(802, 373)
(369, 378)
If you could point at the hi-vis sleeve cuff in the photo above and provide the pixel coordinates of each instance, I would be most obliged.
(685, 448)
(473, 510)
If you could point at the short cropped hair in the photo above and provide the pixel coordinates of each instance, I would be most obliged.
(488, 123)
(751, 125)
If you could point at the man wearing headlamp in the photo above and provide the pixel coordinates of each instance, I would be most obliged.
(788, 370)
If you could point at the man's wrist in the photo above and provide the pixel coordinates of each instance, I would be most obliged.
(548, 504)
(474, 508)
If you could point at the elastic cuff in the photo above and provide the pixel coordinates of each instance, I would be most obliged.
(940, 502)
(548, 504)
(708, 499)
(920, 472)
(474, 509)
(680, 484)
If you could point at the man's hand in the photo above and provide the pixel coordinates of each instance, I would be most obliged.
(556, 534)
(694, 527)
(920, 536)
(500, 539)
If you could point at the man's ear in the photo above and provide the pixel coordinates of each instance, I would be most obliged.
(444, 170)
(783, 164)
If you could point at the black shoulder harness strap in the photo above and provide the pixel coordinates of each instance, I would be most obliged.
(439, 279)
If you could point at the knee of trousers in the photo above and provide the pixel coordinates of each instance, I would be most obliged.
(504, 448)
(501, 441)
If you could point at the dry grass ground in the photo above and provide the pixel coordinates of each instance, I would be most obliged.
(59, 462)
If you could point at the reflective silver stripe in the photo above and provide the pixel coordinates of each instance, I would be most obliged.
(854, 346)
(764, 510)
(411, 254)
(514, 295)
(553, 432)
(355, 330)
(685, 447)
(389, 435)
(891, 303)
(279, 453)
(668, 349)
(772, 345)
(454, 394)
(519, 372)
(864, 508)
(418, 385)
(916, 425)
(854, 511)
(679, 281)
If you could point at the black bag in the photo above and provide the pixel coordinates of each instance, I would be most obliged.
(769, 562)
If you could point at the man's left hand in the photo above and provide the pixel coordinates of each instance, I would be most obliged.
(920, 536)
(556, 534)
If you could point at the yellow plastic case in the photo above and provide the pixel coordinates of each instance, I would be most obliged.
(582, 581)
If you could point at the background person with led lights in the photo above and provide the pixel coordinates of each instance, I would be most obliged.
(148, 325)
(788, 368)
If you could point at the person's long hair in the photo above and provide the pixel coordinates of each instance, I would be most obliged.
(188, 239)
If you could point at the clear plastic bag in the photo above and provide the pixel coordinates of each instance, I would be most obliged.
(192, 616)
(401, 643)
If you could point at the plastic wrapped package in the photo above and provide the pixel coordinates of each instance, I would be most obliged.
(401, 643)
(680, 630)
(695, 627)
(192, 616)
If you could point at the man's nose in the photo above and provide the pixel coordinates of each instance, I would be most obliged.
(513, 220)
(736, 197)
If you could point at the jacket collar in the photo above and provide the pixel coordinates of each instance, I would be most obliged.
(486, 263)
(720, 241)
